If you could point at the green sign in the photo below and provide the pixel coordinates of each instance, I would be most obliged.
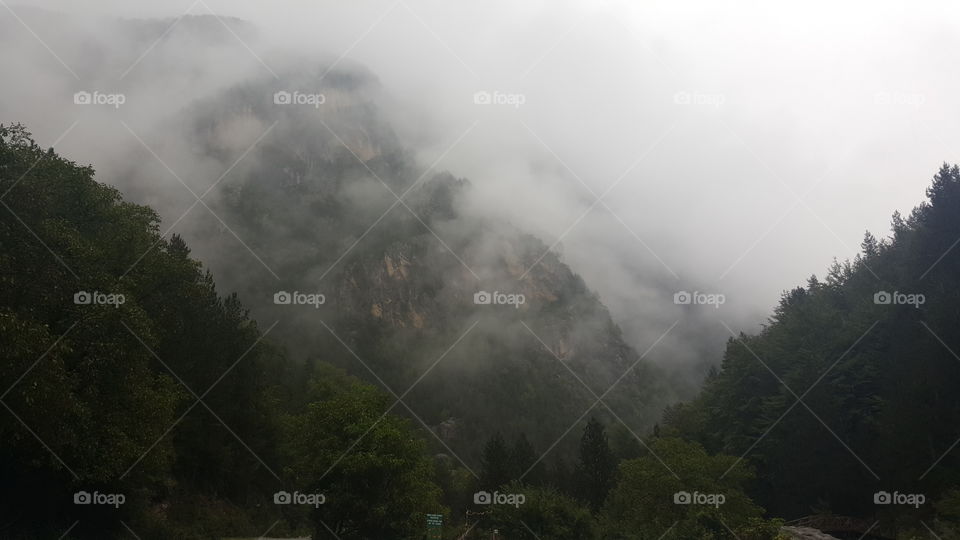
(434, 526)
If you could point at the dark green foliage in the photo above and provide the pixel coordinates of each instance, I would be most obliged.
(544, 514)
(502, 463)
(107, 398)
(597, 466)
(496, 469)
(526, 462)
(879, 379)
(376, 478)
(90, 391)
(643, 504)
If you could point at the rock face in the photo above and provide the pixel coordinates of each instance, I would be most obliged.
(312, 207)
(806, 533)
(466, 317)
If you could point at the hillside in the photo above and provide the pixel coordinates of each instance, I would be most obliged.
(849, 392)
(332, 203)
(128, 379)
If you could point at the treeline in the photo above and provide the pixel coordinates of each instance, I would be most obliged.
(617, 488)
(603, 494)
(850, 392)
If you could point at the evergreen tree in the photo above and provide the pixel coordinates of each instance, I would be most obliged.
(597, 465)
(495, 464)
(522, 458)
(561, 477)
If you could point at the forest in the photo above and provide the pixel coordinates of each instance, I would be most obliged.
(140, 400)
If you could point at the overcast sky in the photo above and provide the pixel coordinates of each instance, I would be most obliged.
(738, 147)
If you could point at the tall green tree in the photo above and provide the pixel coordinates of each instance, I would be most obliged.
(597, 466)
(496, 466)
(370, 466)
(525, 461)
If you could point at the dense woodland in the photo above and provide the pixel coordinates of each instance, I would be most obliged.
(193, 411)
(879, 408)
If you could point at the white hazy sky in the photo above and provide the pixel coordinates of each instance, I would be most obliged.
(744, 144)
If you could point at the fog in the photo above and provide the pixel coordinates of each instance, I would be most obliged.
(721, 147)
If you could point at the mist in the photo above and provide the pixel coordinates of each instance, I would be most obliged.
(727, 148)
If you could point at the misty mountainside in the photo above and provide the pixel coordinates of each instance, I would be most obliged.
(302, 197)
(332, 203)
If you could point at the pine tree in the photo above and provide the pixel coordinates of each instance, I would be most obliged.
(870, 246)
(522, 458)
(597, 466)
(496, 467)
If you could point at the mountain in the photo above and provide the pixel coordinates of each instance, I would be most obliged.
(302, 196)
(331, 203)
